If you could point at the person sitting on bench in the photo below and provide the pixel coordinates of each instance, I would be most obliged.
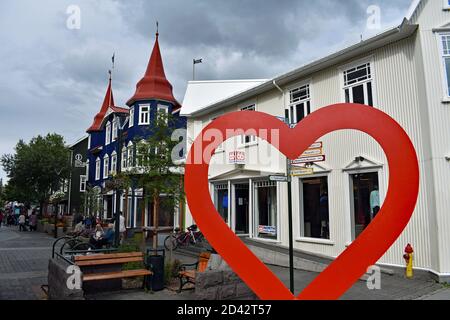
(101, 238)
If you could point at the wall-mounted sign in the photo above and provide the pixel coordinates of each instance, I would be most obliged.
(79, 161)
(278, 178)
(269, 230)
(313, 154)
(308, 160)
(236, 157)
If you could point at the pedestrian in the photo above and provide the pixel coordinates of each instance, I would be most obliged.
(33, 221)
(22, 220)
(1, 218)
(122, 228)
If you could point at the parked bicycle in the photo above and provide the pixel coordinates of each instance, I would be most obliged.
(183, 239)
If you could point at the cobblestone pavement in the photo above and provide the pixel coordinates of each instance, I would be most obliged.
(23, 264)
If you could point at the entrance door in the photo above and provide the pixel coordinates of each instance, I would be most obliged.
(241, 203)
(366, 200)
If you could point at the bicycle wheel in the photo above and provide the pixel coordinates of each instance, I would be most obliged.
(171, 241)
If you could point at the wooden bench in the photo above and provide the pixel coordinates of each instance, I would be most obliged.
(88, 264)
(188, 272)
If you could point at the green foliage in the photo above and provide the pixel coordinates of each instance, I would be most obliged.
(90, 200)
(171, 270)
(36, 168)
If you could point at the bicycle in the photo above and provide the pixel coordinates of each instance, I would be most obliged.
(181, 238)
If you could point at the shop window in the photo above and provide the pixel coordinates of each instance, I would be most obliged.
(221, 200)
(265, 206)
(366, 200)
(314, 195)
(299, 104)
(358, 87)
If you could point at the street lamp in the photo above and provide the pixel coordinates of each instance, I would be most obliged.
(118, 186)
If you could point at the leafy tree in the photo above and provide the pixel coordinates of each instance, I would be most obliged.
(37, 168)
(156, 172)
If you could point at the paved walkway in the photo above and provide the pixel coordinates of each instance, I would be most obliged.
(24, 262)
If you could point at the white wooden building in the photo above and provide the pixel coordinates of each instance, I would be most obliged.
(405, 72)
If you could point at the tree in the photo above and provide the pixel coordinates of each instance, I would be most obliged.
(37, 168)
(158, 175)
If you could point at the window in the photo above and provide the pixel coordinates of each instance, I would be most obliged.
(97, 169)
(83, 180)
(105, 167)
(144, 115)
(130, 155)
(446, 4)
(315, 211)
(131, 122)
(246, 140)
(164, 110)
(115, 128)
(87, 169)
(265, 208)
(114, 162)
(108, 133)
(445, 45)
(358, 86)
(221, 200)
(299, 104)
(124, 157)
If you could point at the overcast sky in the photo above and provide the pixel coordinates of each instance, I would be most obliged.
(53, 79)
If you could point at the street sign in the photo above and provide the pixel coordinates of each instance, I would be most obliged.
(298, 172)
(308, 160)
(278, 179)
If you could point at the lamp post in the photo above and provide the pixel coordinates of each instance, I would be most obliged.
(118, 186)
(58, 174)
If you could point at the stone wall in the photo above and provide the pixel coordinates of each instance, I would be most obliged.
(221, 285)
(57, 282)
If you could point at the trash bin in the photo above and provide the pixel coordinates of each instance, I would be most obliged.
(155, 259)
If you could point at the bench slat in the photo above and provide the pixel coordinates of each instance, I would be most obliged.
(100, 262)
(108, 256)
(116, 275)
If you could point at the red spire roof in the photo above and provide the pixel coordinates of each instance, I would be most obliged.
(154, 84)
(107, 102)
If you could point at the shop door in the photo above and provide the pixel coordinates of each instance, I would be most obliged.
(366, 200)
(241, 202)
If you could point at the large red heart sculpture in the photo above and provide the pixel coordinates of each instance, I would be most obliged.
(365, 251)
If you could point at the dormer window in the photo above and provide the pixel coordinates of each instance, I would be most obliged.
(144, 114)
(108, 133)
(131, 122)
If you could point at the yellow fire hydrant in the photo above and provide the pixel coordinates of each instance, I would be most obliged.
(408, 256)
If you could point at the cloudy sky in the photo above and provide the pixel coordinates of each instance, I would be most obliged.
(53, 78)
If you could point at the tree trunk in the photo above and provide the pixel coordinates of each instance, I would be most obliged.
(155, 219)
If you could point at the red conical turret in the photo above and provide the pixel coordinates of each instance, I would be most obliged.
(154, 84)
(107, 102)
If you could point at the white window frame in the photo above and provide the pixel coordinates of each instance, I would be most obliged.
(114, 162)
(252, 139)
(108, 133)
(443, 57)
(115, 129)
(124, 157)
(146, 114)
(446, 5)
(130, 156)
(291, 104)
(83, 183)
(105, 166)
(355, 64)
(163, 108)
(131, 119)
(98, 169)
